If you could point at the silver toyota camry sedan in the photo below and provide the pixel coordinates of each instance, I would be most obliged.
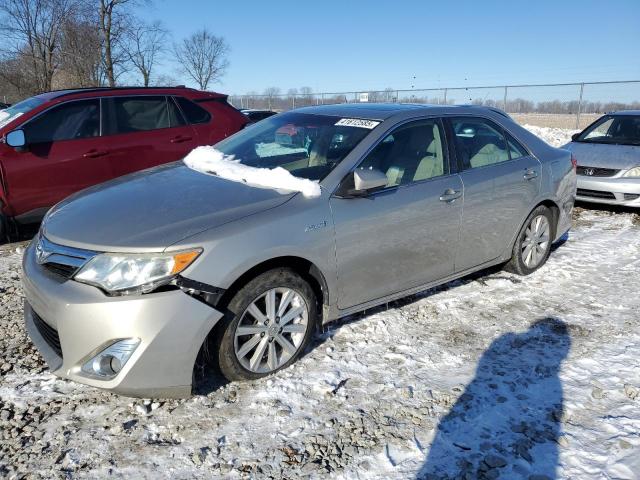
(608, 156)
(237, 254)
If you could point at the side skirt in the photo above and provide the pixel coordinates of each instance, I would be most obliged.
(337, 313)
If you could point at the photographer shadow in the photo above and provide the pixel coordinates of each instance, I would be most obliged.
(506, 424)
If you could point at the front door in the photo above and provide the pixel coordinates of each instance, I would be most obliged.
(405, 235)
(64, 154)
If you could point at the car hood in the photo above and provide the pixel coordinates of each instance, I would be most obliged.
(153, 209)
(619, 157)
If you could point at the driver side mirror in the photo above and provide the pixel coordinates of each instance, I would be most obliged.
(17, 140)
(368, 180)
(575, 136)
(361, 182)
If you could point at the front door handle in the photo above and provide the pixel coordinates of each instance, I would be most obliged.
(450, 195)
(530, 174)
(94, 153)
(180, 139)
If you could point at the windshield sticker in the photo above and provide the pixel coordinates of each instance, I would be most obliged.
(357, 122)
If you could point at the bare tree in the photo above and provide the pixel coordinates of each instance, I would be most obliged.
(145, 45)
(271, 92)
(80, 55)
(113, 25)
(32, 31)
(203, 57)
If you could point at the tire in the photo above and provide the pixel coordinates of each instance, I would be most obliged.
(286, 328)
(525, 261)
(4, 230)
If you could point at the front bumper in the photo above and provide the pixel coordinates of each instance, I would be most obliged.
(609, 190)
(171, 326)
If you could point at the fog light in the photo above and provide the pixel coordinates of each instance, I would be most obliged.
(110, 361)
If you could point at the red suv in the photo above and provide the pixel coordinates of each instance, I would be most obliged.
(57, 143)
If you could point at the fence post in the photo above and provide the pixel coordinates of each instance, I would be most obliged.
(579, 107)
(504, 105)
(293, 101)
(445, 96)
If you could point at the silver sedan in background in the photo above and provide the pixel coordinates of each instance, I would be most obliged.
(608, 156)
(240, 253)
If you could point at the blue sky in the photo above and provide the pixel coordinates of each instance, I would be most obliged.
(356, 45)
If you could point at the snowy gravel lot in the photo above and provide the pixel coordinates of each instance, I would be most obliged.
(493, 376)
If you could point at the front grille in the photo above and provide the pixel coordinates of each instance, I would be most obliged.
(49, 333)
(59, 259)
(65, 271)
(583, 192)
(631, 196)
(596, 172)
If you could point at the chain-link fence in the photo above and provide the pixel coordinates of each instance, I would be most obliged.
(562, 105)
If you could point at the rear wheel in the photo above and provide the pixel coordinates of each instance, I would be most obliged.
(269, 323)
(4, 231)
(533, 244)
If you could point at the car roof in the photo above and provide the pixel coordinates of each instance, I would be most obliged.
(55, 94)
(625, 112)
(383, 111)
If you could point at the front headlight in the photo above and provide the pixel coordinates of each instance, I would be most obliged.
(634, 172)
(125, 274)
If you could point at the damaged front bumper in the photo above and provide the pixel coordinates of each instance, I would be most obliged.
(70, 323)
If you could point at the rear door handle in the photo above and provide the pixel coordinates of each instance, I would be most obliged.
(95, 153)
(530, 174)
(450, 195)
(180, 139)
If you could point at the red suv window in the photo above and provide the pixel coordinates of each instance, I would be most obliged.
(193, 112)
(139, 114)
(72, 120)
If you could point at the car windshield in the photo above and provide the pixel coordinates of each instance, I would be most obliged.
(308, 146)
(13, 112)
(615, 129)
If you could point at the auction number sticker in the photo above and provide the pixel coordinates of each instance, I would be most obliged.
(357, 122)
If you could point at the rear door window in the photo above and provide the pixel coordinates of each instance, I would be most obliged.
(139, 114)
(193, 113)
(479, 142)
(69, 121)
(516, 150)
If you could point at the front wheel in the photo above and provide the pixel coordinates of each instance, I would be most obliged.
(533, 244)
(269, 324)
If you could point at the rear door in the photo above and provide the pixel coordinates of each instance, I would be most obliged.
(501, 182)
(144, 131)
(65, 153)
(406, 234)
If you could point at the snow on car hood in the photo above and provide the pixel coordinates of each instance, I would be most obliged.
(213, 162)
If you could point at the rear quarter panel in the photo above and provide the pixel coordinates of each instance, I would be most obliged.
(558, 180)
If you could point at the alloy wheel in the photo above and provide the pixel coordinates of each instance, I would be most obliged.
(271, 330)
(536, 241)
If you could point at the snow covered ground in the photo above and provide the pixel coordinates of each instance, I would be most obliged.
(495, 376)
